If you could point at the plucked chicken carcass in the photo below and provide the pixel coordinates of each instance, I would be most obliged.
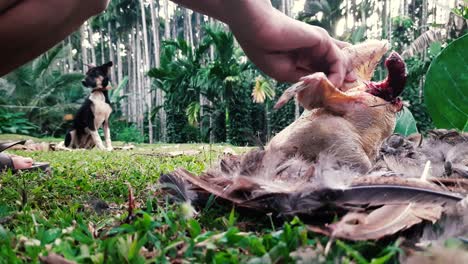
(320, 162)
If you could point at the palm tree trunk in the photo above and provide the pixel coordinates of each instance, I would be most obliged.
(134, 78)
(140, 103)
(157, 62)
(111, 50)
(188, 27)
(197, 36)
(101, 33)
(267, 120)
(126, 100)
(167, 20)
(91, 42)
(174, 29)
(70, 56)
(146, 82)
(286, 10)
(84, 51)
(363, 15)
(119, 62)
(347, 14)
(167, 36)
(210, 104)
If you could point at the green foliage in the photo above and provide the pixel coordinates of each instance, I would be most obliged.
(445, 89)
(126, 132)
(226, 82)
(417, 67)
(43, 93)
(402, 32)
(322, 13)
(461, 10)
(406, 125)
(64, 213)
(15, 123)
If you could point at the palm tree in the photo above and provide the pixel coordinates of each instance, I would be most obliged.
(55, 93)
(264, 92)
(322, 13)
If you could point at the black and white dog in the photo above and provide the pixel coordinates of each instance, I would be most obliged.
(94, 113)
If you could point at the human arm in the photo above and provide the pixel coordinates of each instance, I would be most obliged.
(282, 47)
(30, 27)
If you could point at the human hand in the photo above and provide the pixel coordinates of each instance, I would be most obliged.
(287, 49)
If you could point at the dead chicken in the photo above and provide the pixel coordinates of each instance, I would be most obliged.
(312, 166)
(352, 122)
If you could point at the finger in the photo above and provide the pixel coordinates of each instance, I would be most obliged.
(341, 44)
(350, 77)
(338, 66)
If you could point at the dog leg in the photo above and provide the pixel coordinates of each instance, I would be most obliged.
(96, 138)
(107, 135)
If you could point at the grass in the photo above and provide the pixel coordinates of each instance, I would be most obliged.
(80, 212)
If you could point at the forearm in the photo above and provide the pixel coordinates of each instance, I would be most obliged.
(235, 13)
(31, 27)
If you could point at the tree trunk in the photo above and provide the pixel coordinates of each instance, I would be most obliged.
(286, 10)
(134, 77)
(148, 94)
(91, 42)
(167, 20)
(70, 55)
(268, 120)
(210, 104)
(347, 15)
(102, 46)
(424, 14)
(157, 62)
(175, 33)
(126, 99)
(139, 81)
(188, 28)
(119, 62)
(203, 101)
(198, 35)
(84, 51)
(111, 51)
(162, 112)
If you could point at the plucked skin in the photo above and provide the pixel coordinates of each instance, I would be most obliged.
(351, 125)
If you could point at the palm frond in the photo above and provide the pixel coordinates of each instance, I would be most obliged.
(423, 42)
(192, 113)
(64, 80)
(45, 61)
(114, 93)
(262, 90)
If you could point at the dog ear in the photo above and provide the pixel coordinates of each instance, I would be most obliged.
(108, 64)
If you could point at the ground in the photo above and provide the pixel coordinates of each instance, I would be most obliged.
(80, 212)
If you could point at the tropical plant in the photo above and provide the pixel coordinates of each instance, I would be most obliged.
(264, 92)
(322, 13)
(44, 93)
(15, 123)
(180, 78)
(445, 89)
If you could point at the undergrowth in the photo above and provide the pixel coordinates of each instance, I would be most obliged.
(80, 212)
